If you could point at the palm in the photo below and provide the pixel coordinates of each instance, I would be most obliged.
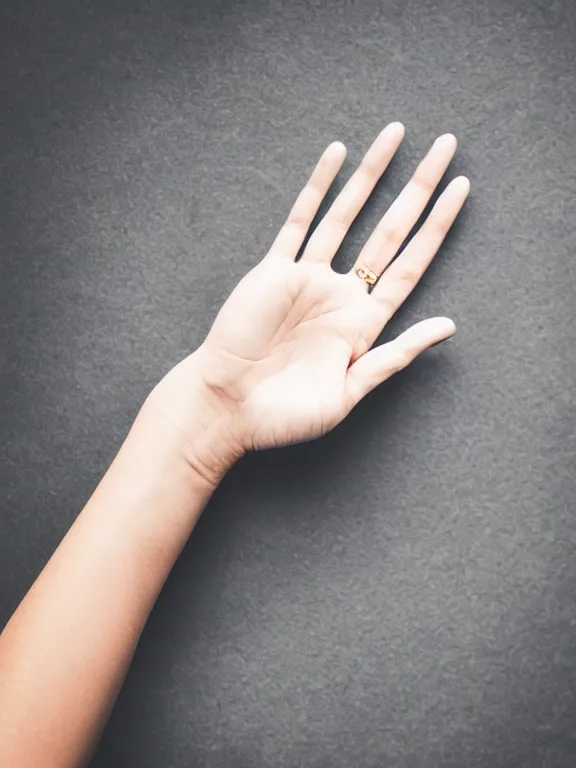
(282, 345)
(290, 351)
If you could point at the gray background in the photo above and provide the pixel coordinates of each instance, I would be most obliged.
(403, 591)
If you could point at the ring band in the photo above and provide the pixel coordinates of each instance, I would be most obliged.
(366, 274)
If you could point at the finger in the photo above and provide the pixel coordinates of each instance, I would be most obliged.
(401, 277)
(403, 214)
(380, 363)
(328, 235)
(291, 236)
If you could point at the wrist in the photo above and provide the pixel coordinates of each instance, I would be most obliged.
(182, 411)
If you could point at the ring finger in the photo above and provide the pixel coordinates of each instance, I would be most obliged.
(403, 214)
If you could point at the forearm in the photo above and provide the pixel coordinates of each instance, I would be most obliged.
(65, 651)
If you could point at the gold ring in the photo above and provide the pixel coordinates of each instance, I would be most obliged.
(366, 274)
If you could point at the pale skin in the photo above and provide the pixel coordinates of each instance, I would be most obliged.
(287, 358)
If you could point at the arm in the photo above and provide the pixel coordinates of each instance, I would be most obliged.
(288, 356)
(65, 651)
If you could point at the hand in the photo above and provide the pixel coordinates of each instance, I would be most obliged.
(289, 354)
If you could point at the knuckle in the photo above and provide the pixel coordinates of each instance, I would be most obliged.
(298, 217)
(401, 357)
(388, 233)
(297, 221)
(369, 170)
(339, 218)
(439, 225)
(424, 182)
(407, 273)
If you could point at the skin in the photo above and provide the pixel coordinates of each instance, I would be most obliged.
(287, 358)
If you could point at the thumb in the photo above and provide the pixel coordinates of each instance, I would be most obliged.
(380, 363)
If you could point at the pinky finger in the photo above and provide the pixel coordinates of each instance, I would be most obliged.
(377, 365)
(293, 232)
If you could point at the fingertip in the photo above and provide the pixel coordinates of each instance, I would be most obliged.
(458, 188)
(444, 327)
(396, 128)
(464, 182)
(337, 148)
(446, 332)
(449, 139)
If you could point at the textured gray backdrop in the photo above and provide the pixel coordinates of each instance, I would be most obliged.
(402, 592)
